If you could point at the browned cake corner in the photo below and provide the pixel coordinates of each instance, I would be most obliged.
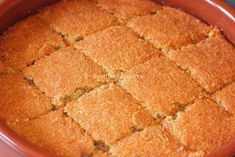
(170, 28)
(153, 141)
(108, 113)
(226, 98)
(28, 41)
(77, 18)
(117, 49)
(55, 133)
(20, 100)
(64, 73)
(211, 62)
(129, 8)
(161, 86)
(203, 126)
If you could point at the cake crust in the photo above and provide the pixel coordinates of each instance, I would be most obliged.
(129, 8)
(117, 49)
(194, 121)
(161, 86)
(226, 98)
(108, 113)
(77, 18)
(64, 72)
(24, 43)
(170, 28)
(56, 133)
(19, 100)
(211, 62)
(144, 143)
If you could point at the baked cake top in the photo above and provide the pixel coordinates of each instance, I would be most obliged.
(118, 78)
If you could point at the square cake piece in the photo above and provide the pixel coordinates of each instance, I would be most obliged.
(117, 49)
(226, 98)
(161, 86)
(24, 43)
(56, 133)
(108, 113)
(19, 100)
(129, 8)
(152, 142)
(77, 18)
(203, 126)
(170, 28)
(211, 62)
(64, 73)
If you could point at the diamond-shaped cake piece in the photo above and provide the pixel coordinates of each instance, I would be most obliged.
(161, 86)
(116, 49)
(152, 142)
(65, 72)
(56, 133)
(170, 28)
(77, 18)
(24, 43)
(226, 98)
(108, 113)
(203, 126)
(129, 8)
(20, 100)
(211, 62)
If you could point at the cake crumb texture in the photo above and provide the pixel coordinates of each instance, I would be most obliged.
(203, 126)
(27, 41)
(101, 154)
(117, 48)
(19, 100)
(170, 28)
(106, 113)
(129, 8)
(226, 98)
(161, 86)
(55, 133)
(77, 18)
(211, 62)
(64, 72)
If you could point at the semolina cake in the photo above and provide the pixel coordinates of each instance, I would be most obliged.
(24, 43)
(117, 49)
(210, 62)
(118, 78)
(169, 28)
(108, 113)
(56, 132)
(19, 100)
(129, 8)
(226, 98)
(63, 73)
(207, 122)
(153, 141)
(75, 19)
(161, 86)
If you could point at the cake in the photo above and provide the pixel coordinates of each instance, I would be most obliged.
(118, 78)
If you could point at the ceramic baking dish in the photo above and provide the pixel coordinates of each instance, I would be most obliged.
(214, 12)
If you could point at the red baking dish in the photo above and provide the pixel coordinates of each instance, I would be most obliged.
(214, 12)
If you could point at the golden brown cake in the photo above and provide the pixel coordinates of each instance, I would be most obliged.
(118, 78)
